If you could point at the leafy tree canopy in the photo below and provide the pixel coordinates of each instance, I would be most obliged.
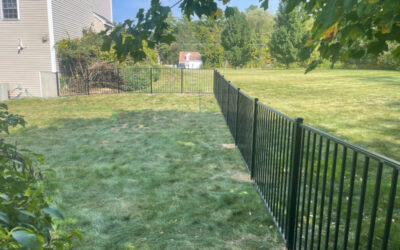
(131, 37)
(152, 27)
(338, 24)
(345, 24)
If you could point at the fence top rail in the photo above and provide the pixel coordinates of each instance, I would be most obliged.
(276, 112)
(246, 95)
(233, 85)
(155, 68)
(376, 156)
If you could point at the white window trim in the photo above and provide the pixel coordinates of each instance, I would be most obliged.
(9, 19)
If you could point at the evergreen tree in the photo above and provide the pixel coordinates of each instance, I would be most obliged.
(261, 22)
(289, 36)
(209, 35)
(237, 39)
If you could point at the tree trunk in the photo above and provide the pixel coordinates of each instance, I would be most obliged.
(287, 66)
(332, 65)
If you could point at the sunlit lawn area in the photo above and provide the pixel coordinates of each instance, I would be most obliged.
(361, 106)
(146, 172)
(159, 171)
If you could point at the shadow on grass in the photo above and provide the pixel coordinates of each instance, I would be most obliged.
(155, 180)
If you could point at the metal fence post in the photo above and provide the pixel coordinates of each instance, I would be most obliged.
(151, 80)
(253, 147)
(87, 81)
(227, 105)
(293, 182)
(181, 80)
(118, 81)
(237, 117)
(58, 83)
(214, 86)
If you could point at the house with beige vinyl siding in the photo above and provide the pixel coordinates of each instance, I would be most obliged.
(29, 30)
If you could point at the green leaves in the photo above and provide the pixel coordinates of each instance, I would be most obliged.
(348, 4)
(371, 21)
(264, 4)
(4, 218)
(132, 38)
(313, 65)
(25, 216)
(54, 212)
(289, 36)
(236, 39)
(8, 120)
(199, 7)
(27, 239)
(230, 11)
(76, 55)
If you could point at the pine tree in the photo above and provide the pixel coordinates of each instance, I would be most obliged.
(290, 35)
(237, 39)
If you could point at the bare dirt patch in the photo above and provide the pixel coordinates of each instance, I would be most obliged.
(244, 177)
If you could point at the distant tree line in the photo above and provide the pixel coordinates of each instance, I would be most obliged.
(257, 39)
(250, 39)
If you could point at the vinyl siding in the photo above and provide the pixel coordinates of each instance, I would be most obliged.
(23, 69)
(104, 8)
(71, 16)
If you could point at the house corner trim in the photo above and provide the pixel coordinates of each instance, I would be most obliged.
(51, 36)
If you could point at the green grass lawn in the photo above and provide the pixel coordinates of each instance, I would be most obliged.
(146, 172)
(361, 106)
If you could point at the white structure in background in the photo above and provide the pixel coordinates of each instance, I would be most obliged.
(29, 31)
(190, 60)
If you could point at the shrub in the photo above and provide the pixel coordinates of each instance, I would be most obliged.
(137, 77)
(386, 60)
(103, 75)
(25, 212)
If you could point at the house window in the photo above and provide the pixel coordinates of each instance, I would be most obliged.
(10, 9)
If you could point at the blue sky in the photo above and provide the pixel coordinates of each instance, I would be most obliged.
(124, 9)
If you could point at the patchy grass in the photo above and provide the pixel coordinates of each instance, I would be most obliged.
(361, 106)
(146, 172)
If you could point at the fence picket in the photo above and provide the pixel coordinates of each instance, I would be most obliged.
(295, 193)
(272, 145)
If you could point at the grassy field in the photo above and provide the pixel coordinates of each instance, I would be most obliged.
(146, 172)
(362, 106)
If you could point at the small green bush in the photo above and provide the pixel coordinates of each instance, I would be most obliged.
(136, 78)
(25, 212)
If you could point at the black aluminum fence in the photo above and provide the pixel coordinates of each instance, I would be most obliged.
(138, 80)
(321, 191)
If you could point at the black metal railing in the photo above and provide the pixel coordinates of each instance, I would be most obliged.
(321, 191)
(137, 80)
